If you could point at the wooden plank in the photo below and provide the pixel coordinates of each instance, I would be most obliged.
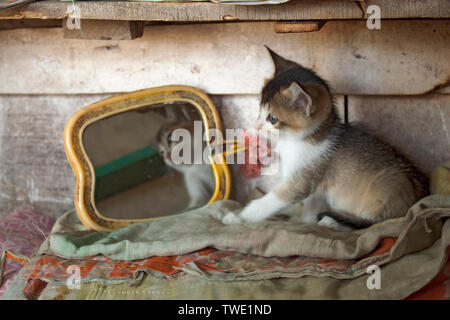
(207, 11)
(298, 26)
(29, 23)
(404, 57)
(419, 126)
(399, 9)
(444, 90)
(104, 30)
(188, 11)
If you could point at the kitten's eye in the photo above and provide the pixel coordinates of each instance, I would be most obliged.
(169, 138)
(272, 118)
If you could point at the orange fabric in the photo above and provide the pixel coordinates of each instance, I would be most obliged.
(208, 259)
(166, 265)
(206, 251)
(17, 258)
(383, 247)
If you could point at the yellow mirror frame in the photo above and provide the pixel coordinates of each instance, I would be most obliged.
(84, 170)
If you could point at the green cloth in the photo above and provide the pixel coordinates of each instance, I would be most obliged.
(201, 228)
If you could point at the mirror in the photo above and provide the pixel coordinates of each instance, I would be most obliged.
(134, 156)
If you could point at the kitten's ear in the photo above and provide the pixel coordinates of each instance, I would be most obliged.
(177, 113)
(171, 113)
(185, 113)
(299, 99)
(281, 64)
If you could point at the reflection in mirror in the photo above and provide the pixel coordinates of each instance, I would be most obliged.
(136, 154)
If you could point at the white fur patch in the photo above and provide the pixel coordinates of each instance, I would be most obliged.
(311, 207)
(261, 122)
(257, 210)
(296, 154)
(262, 208)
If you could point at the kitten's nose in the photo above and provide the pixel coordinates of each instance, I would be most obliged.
(259, 124)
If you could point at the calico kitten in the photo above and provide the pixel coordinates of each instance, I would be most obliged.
(198, 178)
(346, 178)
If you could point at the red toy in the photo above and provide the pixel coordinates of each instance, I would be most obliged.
(256, 149)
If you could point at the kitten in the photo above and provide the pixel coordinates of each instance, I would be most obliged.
(198, 178)
(346, 178)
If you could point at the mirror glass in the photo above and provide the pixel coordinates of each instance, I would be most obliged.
(142, 170)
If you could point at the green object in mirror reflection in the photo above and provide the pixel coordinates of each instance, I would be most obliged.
(128, 171)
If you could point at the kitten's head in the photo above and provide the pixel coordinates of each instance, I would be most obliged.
(176, 140)
(167, 144)
(295, 100)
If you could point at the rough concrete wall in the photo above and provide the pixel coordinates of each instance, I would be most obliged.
(33, 167)
(403, 57)
(418, 126)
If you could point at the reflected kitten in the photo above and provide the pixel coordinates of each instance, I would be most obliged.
(198, 178)
(346, 178)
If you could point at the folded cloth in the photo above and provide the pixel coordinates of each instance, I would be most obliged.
(21, 232)
(208, 263)
(399, 279)
(202, 228)
(410, 252)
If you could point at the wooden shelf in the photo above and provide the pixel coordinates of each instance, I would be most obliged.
(210, 12)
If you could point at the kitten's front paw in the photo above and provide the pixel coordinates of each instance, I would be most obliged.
(231, 218)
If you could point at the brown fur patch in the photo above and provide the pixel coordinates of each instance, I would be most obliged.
(295, 120)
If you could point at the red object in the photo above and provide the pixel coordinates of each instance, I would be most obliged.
(255, 148)
(250, 170)
(34, 288)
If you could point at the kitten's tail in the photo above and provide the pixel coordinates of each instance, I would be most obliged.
(346, 220)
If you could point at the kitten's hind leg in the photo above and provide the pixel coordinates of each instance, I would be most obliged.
(342, 221)
(333, 224)
(311, 207)
(316, 210)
